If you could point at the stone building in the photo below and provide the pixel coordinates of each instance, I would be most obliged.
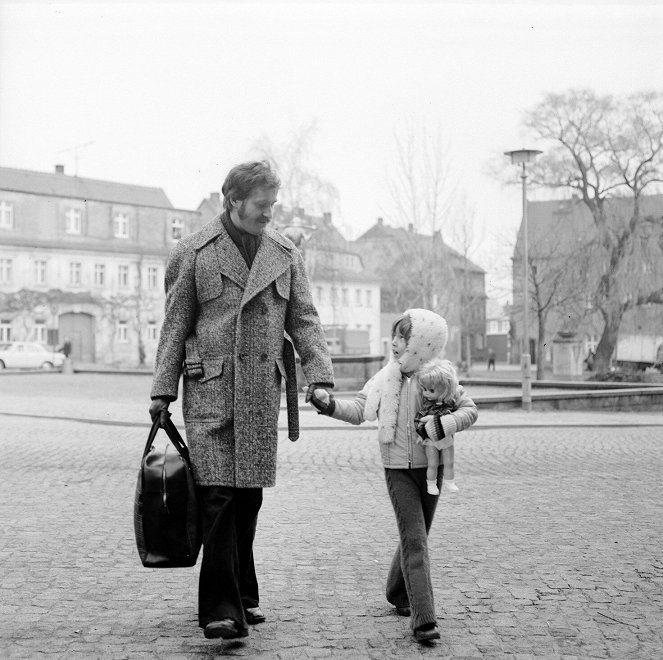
(84, 258)
(419, 270)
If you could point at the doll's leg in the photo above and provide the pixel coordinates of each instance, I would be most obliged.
(448, 483)
(433, 458)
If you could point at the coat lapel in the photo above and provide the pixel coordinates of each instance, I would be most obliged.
(230, 261)
(271, 260)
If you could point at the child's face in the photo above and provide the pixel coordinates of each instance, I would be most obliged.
(432, 393)
(398, 345)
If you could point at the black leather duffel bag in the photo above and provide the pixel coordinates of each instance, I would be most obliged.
(166, 515)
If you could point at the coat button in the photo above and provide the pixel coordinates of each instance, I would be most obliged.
(263, 357)
(242, 356)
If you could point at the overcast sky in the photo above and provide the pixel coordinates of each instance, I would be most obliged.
(172, 94)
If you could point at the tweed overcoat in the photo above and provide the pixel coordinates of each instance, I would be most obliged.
(232, 320)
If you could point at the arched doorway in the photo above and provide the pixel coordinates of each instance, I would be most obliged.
(79, 328)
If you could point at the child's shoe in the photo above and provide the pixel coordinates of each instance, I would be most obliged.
(449, 486)
(431, 487)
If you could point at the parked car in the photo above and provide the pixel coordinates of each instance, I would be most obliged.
(28, 355)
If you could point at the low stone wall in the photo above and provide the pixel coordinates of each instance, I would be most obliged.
(618, 400)
(350, 371)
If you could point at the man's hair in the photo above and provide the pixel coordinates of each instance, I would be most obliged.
(439, 372)
(244, 178)
(402, 324)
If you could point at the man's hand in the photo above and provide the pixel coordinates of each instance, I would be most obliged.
(157, 406)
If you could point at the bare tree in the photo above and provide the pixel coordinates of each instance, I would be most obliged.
(302, 186)
(554, 269)
(609, 150)
(422, 190)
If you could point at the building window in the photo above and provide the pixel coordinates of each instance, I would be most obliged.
(151, 331)
(5, 331)
(369, 298)
(6, 215)
(152, 277)
(334, 295)
(6, 271)
(121, 225)
(73, 222)
(176, 229)
(344, 298)
(318, 295)
(75, 274)
(99, 274)
(358, 297)
(123, 276)
(39, 332)
(40, 272)
(122, 332)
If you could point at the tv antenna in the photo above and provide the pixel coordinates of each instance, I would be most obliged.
(75, 150)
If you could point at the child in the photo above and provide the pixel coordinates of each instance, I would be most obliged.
(439, 386)
(392, 396)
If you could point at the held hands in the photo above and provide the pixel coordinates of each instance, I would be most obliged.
(321, 399)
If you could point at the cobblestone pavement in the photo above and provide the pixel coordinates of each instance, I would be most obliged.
(552, 548)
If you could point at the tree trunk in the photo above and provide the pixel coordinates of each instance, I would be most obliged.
(540, 346)
(608, 341)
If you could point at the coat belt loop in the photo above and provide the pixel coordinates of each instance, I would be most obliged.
(193, 365)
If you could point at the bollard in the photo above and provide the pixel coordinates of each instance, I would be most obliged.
(68, 367)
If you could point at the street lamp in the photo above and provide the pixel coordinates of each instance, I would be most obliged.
(522, 157)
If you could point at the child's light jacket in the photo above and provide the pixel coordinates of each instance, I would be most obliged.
(406, 451)
(395, 398)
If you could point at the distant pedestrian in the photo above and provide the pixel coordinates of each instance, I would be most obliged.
(392, 396)
(441, 392)
(66, 347)
(491, 359)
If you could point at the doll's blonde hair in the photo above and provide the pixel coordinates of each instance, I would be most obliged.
(439, 372)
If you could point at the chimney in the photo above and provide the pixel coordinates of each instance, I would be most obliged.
(215, 198)
(410, 227)
(326, 218)
(380, 222)
(59, 169)
(299, 211)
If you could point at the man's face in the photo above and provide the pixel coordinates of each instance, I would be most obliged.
(254, 213)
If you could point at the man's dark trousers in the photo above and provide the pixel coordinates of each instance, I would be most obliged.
(228, 581)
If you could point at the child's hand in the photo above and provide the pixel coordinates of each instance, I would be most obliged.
(425, 419)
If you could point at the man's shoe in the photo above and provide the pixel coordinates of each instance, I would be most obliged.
(224, 629)
(254, 615)
(403, 611)
(426, 633)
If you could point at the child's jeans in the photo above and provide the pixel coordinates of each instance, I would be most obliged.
(409, 582)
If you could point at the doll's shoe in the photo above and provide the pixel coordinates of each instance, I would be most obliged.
(431, 487)
(449, 486)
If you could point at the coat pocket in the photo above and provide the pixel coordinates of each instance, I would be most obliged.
(210, 398)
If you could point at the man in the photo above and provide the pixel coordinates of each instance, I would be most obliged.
(491, 359)
(232, 290)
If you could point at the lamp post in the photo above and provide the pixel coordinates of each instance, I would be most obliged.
(522, 157)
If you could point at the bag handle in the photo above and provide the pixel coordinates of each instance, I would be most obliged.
(163, 421)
